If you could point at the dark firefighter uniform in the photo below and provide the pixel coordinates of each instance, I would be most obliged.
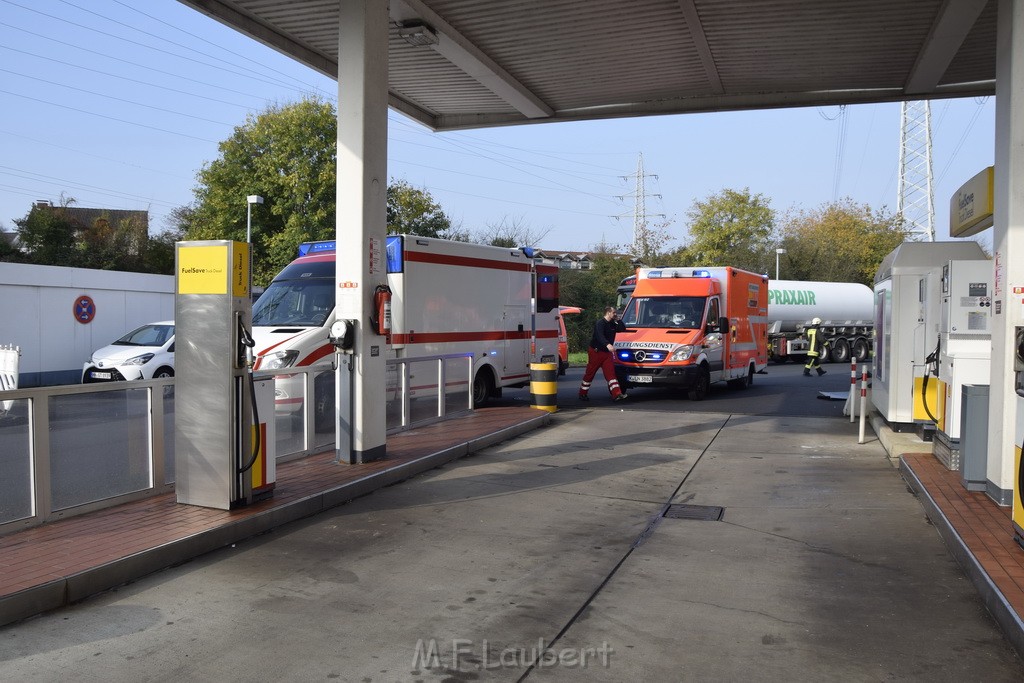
(814, 349)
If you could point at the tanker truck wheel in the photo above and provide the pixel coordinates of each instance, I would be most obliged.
(861, 351)
(840, 350)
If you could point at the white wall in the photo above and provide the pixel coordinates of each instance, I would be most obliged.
(37, 314)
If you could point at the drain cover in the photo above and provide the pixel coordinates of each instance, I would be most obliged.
(704, 513)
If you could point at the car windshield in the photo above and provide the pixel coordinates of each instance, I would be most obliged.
(685, 312)
(305, 303)
(147, 335)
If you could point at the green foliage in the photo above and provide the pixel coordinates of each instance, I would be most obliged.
(591, 290)
(839, 242)
(47, 236)
(732, 228)
(50, 236)
(287, 155)
(414, 212)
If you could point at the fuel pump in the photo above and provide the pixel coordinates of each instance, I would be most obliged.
(224, 455)
(1018, 385)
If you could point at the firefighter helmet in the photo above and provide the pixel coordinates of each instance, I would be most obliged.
(816, 321)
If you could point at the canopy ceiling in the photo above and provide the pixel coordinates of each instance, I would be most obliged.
(473, 63)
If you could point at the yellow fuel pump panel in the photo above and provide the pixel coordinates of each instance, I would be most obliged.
(933, 402)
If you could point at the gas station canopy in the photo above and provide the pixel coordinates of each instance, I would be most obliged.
(473, 63)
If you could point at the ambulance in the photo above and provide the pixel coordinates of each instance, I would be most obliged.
(440, 297)
(688, 328)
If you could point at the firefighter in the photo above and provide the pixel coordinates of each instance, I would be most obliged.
(599, 355)
(814, 350)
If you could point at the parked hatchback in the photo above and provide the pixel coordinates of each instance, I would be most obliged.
(144, 353)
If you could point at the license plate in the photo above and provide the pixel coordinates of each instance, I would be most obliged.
(100, 375)
(640, 379)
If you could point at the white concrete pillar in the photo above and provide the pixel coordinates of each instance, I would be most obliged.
(362, 209)
(1008, 245)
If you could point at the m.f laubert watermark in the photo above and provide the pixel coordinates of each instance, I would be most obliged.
(481, 656)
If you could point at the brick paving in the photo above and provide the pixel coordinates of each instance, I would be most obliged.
(39, 556)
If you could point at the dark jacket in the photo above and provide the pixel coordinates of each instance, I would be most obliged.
(604, 333)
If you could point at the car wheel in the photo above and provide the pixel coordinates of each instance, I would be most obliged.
(700, 390)
(163, 373)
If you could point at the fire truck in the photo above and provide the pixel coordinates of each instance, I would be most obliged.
(441, 297)
(690, 327)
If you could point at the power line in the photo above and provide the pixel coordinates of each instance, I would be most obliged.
(124, 78)
(150, 47)
(104, 116)
(124, 61)
(118, 99)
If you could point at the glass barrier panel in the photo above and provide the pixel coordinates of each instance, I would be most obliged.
(99, 446)
(456, 385)
(393, 395)
(323, 408)
(169, 435)
(289, 413)
(15, 461)
(423, 390)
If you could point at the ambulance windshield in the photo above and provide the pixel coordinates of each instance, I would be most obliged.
(294, 302)
(684, 312)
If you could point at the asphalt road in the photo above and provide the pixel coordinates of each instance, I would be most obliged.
(822, 566)
(781, 390)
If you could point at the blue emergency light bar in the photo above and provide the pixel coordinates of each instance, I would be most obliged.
(702, 273)
(307, 248)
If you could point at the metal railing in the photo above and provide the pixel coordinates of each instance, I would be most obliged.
(413, 385)
(71, 449)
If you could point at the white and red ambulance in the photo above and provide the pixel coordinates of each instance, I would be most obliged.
(441, 297)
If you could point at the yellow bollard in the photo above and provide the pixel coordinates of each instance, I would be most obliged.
(544, 385)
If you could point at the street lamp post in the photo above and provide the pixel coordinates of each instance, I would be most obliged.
(777, 253)
(250, 200)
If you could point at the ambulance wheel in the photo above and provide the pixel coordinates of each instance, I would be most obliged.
(745, 381)
(483, 387)
(700, 390)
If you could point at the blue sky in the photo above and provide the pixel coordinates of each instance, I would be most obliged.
(117, 103)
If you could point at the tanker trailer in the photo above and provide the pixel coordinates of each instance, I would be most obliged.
(845, 308)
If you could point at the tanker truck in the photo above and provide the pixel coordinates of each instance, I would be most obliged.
(846, 310)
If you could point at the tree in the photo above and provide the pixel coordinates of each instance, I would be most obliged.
(591, 290)
(651, 242)
(839, 242)
(732, 228)
(47, 234)
(510, 232)
(287, 155)
(412, 211)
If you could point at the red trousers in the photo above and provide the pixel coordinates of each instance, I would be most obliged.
(603, 360)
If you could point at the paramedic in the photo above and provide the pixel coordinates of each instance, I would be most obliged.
(814, 350)
(599, 354)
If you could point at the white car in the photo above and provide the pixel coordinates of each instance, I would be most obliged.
(145, 353)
